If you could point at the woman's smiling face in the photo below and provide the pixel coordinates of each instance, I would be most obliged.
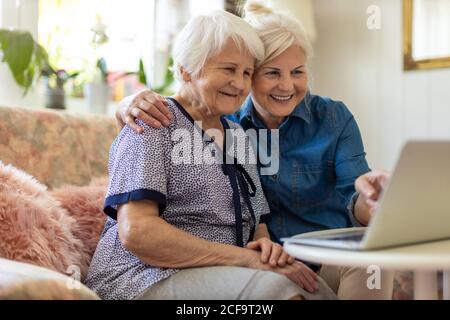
(280, 85)
(225, 80)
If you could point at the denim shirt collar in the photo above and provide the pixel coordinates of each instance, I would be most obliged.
(302, 111)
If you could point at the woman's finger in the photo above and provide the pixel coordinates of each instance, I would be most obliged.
(156, 113)
(365, 188)
(151, 121)
(130, 122)
(141, 115)
(263, 246)
(309, 279)
(382, 178)
(298, 277)
(266, 249)
(135, 102)
(275, 254)
(158, 108)
(254, 245)
(165, 105)
(291, 260)
(283, 259)
(298, 280)
(308, 283)
(307, 269)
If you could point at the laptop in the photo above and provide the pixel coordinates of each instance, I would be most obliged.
(414, 208)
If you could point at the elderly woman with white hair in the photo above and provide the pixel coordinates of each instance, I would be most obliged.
(181, 230)
(321, 150)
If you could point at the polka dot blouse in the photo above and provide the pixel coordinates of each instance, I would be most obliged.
(214, 201)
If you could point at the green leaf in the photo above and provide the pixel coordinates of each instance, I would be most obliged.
(25, 57)
(168, 79)
(41, 58)
(17, 53)
(142, 76)
(101, 65)
(3, 42)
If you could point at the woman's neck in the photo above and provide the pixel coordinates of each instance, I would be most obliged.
(210, 122)
(197, 111)
(270, 121)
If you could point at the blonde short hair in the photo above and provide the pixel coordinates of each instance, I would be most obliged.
(206, 35)
(277, 31)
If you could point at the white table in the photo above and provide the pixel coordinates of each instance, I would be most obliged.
(424, 259)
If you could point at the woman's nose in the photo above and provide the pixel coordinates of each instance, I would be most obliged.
(286, 84)
(238, 82)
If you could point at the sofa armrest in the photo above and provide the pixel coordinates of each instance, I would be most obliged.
(25, 281)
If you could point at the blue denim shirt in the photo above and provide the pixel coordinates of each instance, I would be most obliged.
(321, 155)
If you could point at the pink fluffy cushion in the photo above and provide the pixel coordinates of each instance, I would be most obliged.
(56, 230)
(85, 205)
(33, 226)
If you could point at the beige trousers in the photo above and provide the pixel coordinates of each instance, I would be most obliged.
(350, 283)
(230, 283)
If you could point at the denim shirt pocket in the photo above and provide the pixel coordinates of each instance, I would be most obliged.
(312, 183)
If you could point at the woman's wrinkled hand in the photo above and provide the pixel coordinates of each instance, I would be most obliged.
(301, 274)
(271, 252)
(147, 106)
(297, 271)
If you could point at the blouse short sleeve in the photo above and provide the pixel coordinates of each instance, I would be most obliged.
(137, 168)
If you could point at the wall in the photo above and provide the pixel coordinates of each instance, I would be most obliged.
(363, 68)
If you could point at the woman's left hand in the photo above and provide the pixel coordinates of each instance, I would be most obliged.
(271, 252)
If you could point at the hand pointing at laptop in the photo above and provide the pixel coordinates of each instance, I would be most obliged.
(370, 187)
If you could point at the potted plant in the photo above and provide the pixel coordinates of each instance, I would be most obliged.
(24, 57)
(96, 90)
(55, 95)
(28, 61)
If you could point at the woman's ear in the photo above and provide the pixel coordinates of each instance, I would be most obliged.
(186, 75)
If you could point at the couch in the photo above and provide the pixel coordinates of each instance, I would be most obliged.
(58, 148)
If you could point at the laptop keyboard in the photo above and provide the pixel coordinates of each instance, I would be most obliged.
(348, 237)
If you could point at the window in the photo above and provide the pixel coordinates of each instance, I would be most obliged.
(135, 29)
(426, 34)
(65, 29)
(431, 25)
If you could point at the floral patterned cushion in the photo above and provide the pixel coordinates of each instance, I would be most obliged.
(56, 147)
(95, 134)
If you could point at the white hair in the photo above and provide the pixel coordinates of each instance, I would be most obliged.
(206, 35)
(277, 31)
